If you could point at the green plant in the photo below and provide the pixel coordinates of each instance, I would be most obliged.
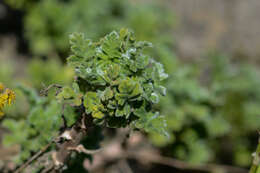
(116, 86)
(122, 81)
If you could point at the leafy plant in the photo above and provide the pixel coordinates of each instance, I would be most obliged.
(121, 83)
(116, 86)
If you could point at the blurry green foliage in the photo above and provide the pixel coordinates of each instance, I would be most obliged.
(7, 70)
(211, 107)
(19, 4)
(48, 23)
(43, 73)
(38, 74)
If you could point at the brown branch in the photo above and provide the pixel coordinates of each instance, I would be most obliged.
(45, 91)
(62, 154)
(48, 169)
(151, 157)
(146, 154)
(65, 142)
(34, 157)
(70, 142)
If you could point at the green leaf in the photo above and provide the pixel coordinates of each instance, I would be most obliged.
(98, 114)
(137, 90)
(66, 93)
(160, 74)
(119, 112)
(71, 95)
(150, 122)
(154, 98)
(161, 89)
(112, 104)
(75, 87)
(108, 93)
(77, 101)
(123, 33)
(93, 104)
(81, 47)
(112, 71)
(126, 86)
(110, 46)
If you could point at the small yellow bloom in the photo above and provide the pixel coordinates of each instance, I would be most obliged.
(1, 87)
(11, 96)
(7, 96)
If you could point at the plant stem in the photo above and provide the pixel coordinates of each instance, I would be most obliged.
(38, 154)
(256, 159)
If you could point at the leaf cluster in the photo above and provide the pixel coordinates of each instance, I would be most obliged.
(117, 82)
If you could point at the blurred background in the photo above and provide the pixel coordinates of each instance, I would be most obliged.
(210, 50)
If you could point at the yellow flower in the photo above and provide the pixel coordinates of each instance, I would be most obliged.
(7, 96)
(11, 96)
(1, 87)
